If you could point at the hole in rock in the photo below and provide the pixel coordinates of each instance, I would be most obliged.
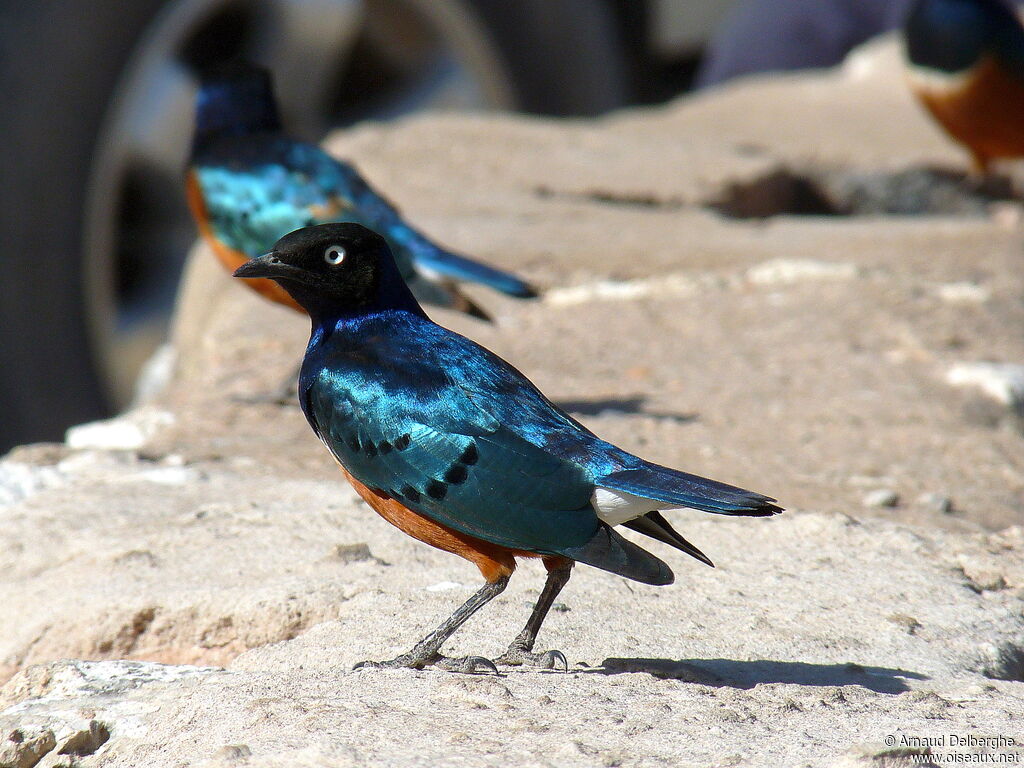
(87, 742)
(780, 192)
(919, 191)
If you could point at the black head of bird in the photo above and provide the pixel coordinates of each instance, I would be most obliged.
(334, 270)
(237, 98)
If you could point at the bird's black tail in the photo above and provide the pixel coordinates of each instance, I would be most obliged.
(432, 259)
(442, 292)
(657, 527)
(608, 551)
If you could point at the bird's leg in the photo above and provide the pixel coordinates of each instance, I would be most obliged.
(521, 649)
(427, 650)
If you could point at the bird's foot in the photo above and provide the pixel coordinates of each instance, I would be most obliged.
(467, 665)
(516, 657)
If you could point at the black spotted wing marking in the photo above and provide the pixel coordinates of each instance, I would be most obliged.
(467, 471)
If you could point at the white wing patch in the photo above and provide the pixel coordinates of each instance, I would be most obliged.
(617, 507)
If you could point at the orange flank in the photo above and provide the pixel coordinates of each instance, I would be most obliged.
(493, 560)
(229, 257)
(983, 109)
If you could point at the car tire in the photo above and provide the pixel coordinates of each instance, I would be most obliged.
(566, 57)
(60, 63)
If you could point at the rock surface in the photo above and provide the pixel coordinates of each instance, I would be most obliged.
(213, 581)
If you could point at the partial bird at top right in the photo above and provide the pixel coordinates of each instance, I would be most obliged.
(966, 65)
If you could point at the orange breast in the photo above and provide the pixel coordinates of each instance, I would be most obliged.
(984, 111)
(493, 560)
(229, 257)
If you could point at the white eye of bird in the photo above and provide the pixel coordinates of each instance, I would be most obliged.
(334, 255)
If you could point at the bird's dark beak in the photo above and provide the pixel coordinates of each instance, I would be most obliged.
(268, 265)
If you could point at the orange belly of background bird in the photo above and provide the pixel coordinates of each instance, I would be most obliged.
(229, 257)
(984, 111)
(493, 560)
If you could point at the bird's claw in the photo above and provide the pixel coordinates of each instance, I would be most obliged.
(551, 660)
(515, 657)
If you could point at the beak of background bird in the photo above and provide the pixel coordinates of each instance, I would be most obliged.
(267, 265)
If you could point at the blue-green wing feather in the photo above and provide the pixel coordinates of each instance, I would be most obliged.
(258, 188)
(446, 458)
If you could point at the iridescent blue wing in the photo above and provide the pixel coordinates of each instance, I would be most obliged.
(259, 188)
(416, 436)
(459, 436)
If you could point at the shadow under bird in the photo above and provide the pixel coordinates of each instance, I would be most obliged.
(966, 66)
(458, 449)
(248, 184)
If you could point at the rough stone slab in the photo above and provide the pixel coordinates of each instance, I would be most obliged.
(836, 630)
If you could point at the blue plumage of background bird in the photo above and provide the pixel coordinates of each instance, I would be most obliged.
(457, 448)
(249, 184)
(966, 66)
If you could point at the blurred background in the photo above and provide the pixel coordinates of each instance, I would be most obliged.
(98, 102)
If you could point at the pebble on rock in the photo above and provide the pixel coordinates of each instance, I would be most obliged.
(883, 497)
(937, 502)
